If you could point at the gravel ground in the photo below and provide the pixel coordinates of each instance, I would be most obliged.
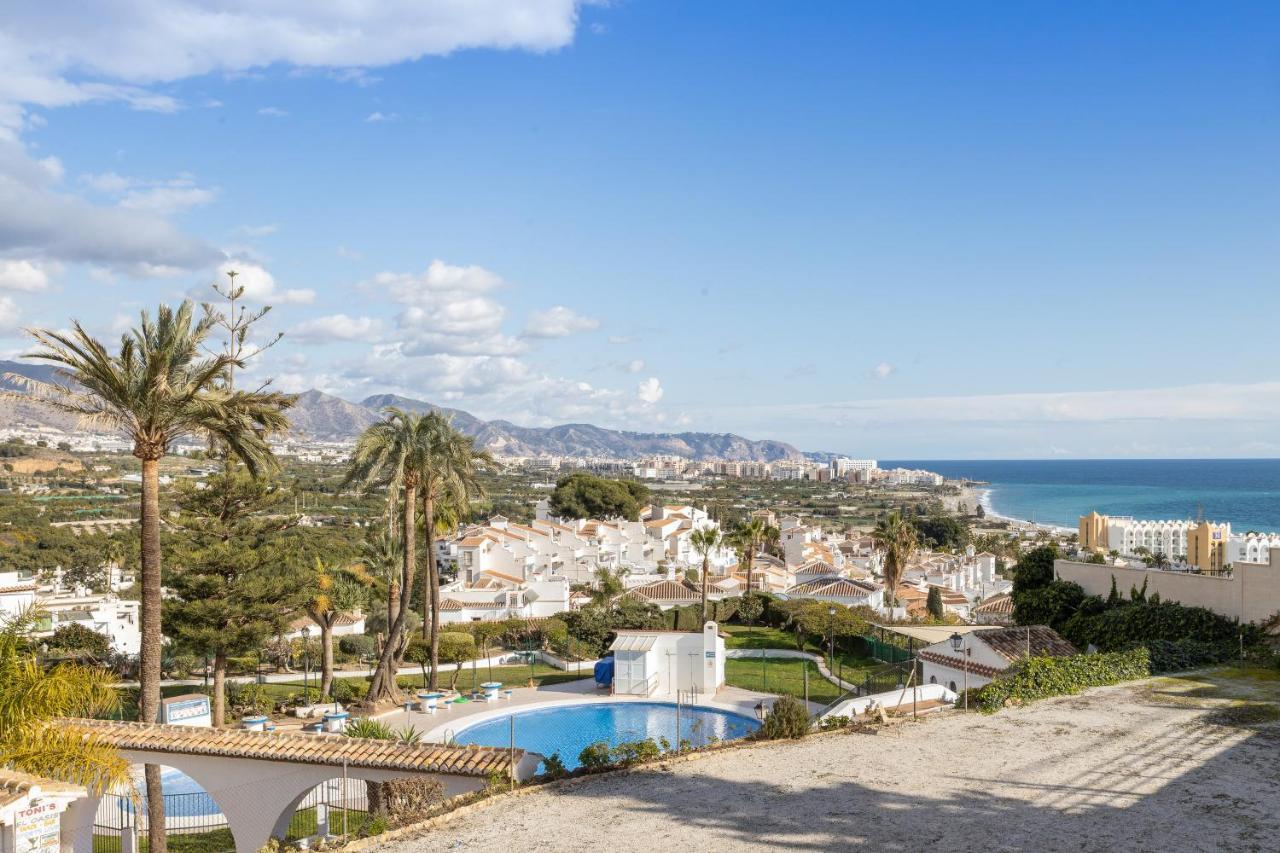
(1151, 766)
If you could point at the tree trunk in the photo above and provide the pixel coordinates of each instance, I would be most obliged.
(219, 688)
(326, 655)
(750, 561)
(383, 686)
(433, 587)
(152, 641)
(705, 561)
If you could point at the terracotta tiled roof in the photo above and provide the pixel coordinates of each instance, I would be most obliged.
(1014, 643)
(329, 750)
(502, 576)
(453, 605)
(666, 591)
(14, 786)
(22, 587)
(1001, 604)
(817, 567)
(834, 586)
(956, 662)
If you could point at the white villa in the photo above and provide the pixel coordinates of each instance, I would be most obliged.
(985, 653)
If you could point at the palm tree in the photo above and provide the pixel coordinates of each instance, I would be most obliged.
(158, 388)
(748, 536)
(32, 697)
(448, 483)
(334, 590)
(383, 559)
(392, 453)
(706, 541)
(897, 537)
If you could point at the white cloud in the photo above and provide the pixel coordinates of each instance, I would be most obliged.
(258, 230)
(40, 221)
(349, 254)
(336, 327)
(622, 339)
(260, 286)
(377, 117)
(167, 200)
(8, 314)
(273, 112)
(635, 366)
(25, 276)
(883, 370)
(649, 391)
(111, 50)
(558, 322)
(107, 182)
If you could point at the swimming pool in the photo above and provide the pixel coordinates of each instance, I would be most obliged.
(568, 729)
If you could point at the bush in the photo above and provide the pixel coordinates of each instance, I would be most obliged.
(788, 719)
(369, 729)
(1178, 655)
(246, 699)
(1040, 677)
(553, 766)
(358, 645)
(595, 756)
(634, 752)
(347, 690)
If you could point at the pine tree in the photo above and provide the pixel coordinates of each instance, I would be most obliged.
(235, 582)
(934, 603)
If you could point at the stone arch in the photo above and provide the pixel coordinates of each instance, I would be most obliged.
(331, 800)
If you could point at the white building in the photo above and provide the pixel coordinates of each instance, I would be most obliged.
(861, 469)
(17, 593)
(986, 653)
(839, 590)
(115, 618)
(660, 663)
(1126, 535)
(1251, 547)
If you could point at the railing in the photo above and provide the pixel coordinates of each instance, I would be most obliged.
(628, 688)
(326, 809)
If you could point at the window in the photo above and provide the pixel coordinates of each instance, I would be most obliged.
(952, 687)
(933, 679)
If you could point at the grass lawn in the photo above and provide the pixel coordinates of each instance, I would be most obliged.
(848, 666)
(302, 825)
(780, 676)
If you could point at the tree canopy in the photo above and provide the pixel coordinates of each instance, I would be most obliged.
(583, 495)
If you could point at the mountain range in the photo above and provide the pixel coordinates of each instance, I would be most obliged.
(324, 416)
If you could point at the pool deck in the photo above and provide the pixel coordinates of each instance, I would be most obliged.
(450, 719)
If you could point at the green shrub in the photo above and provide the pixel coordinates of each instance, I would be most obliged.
(789, 718)
(1179, 655)
(595, 756)
(634, 752)
(553, 766)
(358, 645)
(369, 729)
(248, 698)
(827, 724)
(349, 689)
(1040, 677)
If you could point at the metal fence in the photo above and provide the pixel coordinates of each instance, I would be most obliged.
(326, 808)
(887, 652)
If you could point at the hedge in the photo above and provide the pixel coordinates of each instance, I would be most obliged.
(1040, 677)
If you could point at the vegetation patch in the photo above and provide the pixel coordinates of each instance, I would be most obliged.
(1041, 677)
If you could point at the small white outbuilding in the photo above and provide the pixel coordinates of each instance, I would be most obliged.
(660, 663)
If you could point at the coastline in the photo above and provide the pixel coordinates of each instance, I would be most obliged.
(982, 496)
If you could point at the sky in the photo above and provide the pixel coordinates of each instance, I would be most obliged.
(926, 230)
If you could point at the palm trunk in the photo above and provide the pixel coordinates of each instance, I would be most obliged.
(326, 655)
(219, 688)
(705, 561)
(750, 560)
(384, 686)
(152, 641)
(433, 587)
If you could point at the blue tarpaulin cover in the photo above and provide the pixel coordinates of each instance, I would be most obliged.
(604, 672)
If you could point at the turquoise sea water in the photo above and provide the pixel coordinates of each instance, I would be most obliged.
(1245, 492)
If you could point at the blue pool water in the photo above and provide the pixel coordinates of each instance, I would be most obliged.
(183, 795)
(569, 729)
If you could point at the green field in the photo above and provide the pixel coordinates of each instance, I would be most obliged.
(764, 675)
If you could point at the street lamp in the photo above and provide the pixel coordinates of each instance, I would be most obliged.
(958, 645)
(306, 663)
(760, 710)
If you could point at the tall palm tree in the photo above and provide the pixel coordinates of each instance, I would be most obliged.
(449, 482)
(897, 538)
(748, 535)
(334, 590)
(392, 453)
(706, 541)
(159, 387)
(382, 557)
(32, 697)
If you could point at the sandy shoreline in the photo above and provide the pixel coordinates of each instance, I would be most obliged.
(973, 496)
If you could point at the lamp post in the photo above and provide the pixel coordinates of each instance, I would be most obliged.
(306, 661)
(958, 645)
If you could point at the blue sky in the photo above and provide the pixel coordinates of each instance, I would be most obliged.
(924, 230)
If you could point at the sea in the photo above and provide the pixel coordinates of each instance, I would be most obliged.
(1245, 492)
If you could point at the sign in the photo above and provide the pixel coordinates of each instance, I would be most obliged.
(710, 655)
(191, 709)
(37, 829)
